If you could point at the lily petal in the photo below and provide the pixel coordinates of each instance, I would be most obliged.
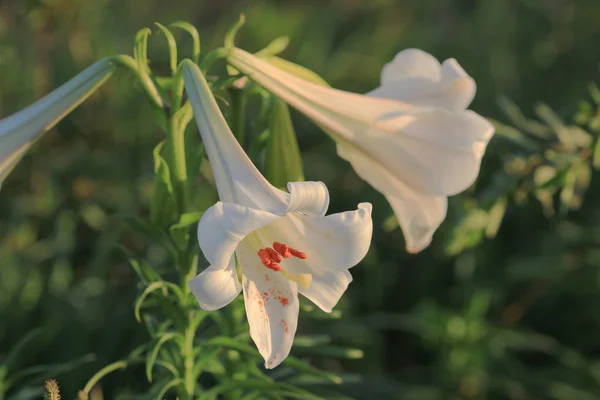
(310, 198)
(337, 110)
(411, 63)
(337, 241)
(215, 287)
(238, 180)
(271, 307)
(223, 226)
(416, 77)
(419, 214)
(436, 152)
(327, 289)
(19, 130)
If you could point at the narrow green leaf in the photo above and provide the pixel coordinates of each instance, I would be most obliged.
(172, 384)
(297, 70)
(237, 120)
(568, 191)
(311, 340)
(172, 43)
(187, 219)
(530, 126)
(102, 373)
(14, 354)
(230, 37)
(514, 135)
(231, 344)
(211, 57)
(146, 229)
(548, 115)
(152, 355)
(151, 288)
(205, 357)
(144, 271)
(495, 217)
(38, 373)
(333, 351)
(596, 154)
(169, 366)
(276, 46)
(140, 50)
(191, 29)
(594, 93)
(151, 90)
(557, 180)
(161, 167)
(283, 160)
(305, 367)
(183, 116)
(288, 391)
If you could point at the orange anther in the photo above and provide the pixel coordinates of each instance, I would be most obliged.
(267, 260)
(264, 257)
(274, 267)
(298, 254)
(282, 249)
(275, 257)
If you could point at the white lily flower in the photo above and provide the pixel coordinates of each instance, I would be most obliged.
(20, 130)
(412, 138)
(283, 242)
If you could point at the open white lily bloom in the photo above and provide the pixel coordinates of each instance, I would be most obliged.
(412, 138)
(19, 131)
(283, 242)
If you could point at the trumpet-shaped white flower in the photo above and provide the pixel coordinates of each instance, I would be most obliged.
(283, 242)
(19, 131)
(412, 138)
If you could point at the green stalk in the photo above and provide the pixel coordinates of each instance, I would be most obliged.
(238, 112)
(176, 138)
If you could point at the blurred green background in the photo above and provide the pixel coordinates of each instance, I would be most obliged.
(511, 317)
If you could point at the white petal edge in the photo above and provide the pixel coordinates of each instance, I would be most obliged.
(337, 241)
(419, 215)
(272, 307)
(411, 63)
(417, 78)
(327, 289)
(215, 287)
(238, 180)
(310, 198)
(224, 225)
(436, 152)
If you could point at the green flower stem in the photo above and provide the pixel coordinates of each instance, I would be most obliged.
(175, 134)
(238, 112)
(187, 352)
(132, 65)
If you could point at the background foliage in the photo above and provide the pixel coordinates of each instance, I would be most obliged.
(474, 316)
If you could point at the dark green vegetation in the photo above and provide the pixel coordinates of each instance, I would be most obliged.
(512, 314)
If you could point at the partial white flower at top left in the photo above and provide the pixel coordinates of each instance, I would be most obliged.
(283, 242)
(20, 130)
